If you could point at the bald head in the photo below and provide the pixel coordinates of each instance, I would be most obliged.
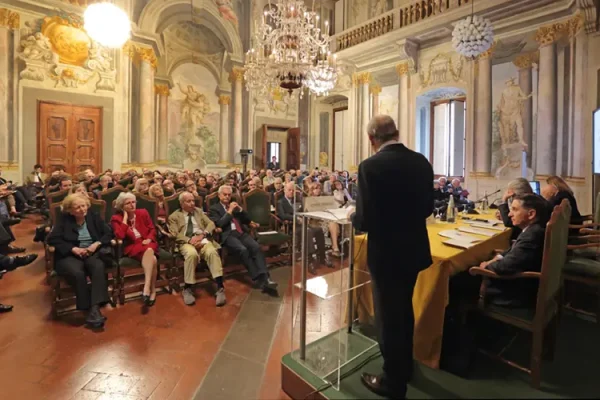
(381, 129)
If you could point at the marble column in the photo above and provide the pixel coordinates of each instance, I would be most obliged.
(483, 114)
(525, 63)
(224, 101)
(5, 95)
(578, 166)
(403, 106)
(162, 153)
(375, 90)
(546, 140)
(364, 79)
(237, 76)
(146, 112)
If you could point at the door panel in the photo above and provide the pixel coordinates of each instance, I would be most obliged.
(293, 148)
(70, 136)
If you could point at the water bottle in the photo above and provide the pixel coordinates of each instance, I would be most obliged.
(484, 202)
(450, 215)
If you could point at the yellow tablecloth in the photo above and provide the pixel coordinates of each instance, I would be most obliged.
(431, 291)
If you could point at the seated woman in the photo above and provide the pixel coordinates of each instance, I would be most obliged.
(79, 238)
(332, 227)
(136, 229)
(156, 192)
(141, 186)
(558, 190)
(340, 194)
(79, 188)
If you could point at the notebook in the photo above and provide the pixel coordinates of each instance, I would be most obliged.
(478, 231)
(487, 226)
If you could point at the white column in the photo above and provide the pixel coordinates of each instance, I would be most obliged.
(163, 124)
(224, 101)
(578, 167)
(237, 76)
(146, 111)
(365, 116)
(547, 108)
(524, 63)
(483, 114)
(5, 93)
(375, 90)
(403, 126)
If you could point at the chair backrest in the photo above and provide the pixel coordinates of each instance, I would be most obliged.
(109, 196)
(125, 182)
(55, 211)
(172, 204)
(199, 201)
(257, 204)
(211, 199)
(56, 197)
(168, 192)
(597, 211)
(99, 206)
(149, 204)
(554, 258)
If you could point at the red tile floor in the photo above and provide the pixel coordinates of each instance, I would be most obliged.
(161, 355)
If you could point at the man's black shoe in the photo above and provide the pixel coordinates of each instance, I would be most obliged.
(95, 319)
(5, 308)
(11, 221)
(25, 260)
(11, 250)
(377, 384)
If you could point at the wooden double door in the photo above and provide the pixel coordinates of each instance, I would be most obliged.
(69, 136)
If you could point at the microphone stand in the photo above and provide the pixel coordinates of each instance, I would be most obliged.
(488, 195)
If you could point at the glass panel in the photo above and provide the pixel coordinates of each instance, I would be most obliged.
(441, 136)
(335, 283)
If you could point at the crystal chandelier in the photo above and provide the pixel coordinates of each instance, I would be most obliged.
(473, 35)
(290, 52)
(107, 24)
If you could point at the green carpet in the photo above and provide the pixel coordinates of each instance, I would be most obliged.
(574, 372)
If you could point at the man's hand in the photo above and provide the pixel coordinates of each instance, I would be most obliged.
(507, 194)
(498, 215)
(484, 264)
(254, 225)
(195, 241)
(79, 252)
(146, 242)
(232, 207)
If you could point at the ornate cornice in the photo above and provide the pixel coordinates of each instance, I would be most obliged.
(402, 69)
(237, 74)
(9, 18)
(162, 90)
(546, 35)
(139, 54)
(474, 174)
(488, 53)
(375, 89)
(363, 78)
(525, 61)
(224, 100)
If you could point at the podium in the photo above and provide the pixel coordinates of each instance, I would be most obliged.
(324, 343)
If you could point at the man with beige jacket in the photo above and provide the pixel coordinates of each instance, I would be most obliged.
(191, 228)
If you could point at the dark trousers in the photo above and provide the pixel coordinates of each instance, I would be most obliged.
(6, 235)
(395, 321)
(314, 235)
(76, 270)
(244, 246)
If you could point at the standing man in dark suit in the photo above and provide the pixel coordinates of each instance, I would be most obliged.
(235, 222)
(397, 247)
(273, 165)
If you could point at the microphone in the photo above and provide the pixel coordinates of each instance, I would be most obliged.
(488, 195)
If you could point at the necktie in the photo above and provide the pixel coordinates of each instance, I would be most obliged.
(190, 227)
(238, 227)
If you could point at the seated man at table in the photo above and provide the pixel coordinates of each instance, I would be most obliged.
(235, 223)
(517, 187)
(527, 212)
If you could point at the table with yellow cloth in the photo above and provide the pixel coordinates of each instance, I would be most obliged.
(430, 297)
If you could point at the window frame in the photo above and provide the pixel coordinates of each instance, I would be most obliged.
(432, 106)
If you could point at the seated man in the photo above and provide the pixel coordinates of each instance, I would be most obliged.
(517, 187)
(285, 211)
(235, 224)
(191, 227)
(527, 212)
(440, 197)
(6, 234)
(460, 195)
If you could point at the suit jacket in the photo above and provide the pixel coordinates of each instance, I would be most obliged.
(395, 214)
(30, 179)
(143, 224)
(178, 225)
(65, 235)
(223, 220)
(273, 166)
(285, 211)
(524, 255)
(505, 210)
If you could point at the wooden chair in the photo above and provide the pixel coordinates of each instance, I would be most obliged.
(257, 204)
(130, 270)
(542, 321)
(63, 297)
(56, 197)
(287, 225)
(126, 181)
(109, 196)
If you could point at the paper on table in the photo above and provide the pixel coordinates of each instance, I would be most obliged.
(267, 233)
(456, 235)
(459, 243)
(487, 226)
(336, 214)
(483, 232)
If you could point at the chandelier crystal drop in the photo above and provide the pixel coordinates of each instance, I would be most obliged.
(107, 24)
(290, 51)
(473, 36)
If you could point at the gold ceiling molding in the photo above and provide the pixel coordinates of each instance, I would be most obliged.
(476, 175)
(546, 35)
(375, 89)
(162, 90)
(525, 61)
(9, 18)
(363, 78)
(139, 54)
(402, 69)
(224, 100)
(488, 53)
(237, 74)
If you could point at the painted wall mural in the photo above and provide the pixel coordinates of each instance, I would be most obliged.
(227, 11)
(194, 118)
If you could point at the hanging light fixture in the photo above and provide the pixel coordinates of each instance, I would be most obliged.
(107, 24)
(473, 35)
(290, 52)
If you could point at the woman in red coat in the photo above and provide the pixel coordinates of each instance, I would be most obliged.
(136, 229)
